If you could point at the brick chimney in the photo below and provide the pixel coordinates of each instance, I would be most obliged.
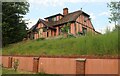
(65, 11)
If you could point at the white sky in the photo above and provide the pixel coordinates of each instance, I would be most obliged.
(97, 9)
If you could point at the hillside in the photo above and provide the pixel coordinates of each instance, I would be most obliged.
(106, 44)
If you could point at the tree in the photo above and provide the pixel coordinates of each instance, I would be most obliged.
(115, 11)
(13, 25)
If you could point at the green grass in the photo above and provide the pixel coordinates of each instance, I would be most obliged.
(21, 73)
(12, 71)
(106, 44)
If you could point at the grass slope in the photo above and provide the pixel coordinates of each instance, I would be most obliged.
(106, 44)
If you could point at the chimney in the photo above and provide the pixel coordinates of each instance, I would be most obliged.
(65, 11)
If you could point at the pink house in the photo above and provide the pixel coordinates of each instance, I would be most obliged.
(79, 22)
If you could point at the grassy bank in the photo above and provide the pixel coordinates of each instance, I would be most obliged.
(106, 44)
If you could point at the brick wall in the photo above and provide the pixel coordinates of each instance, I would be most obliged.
(101, 66)
(62, 65)
(7, 61)
(57, 65)
(25, 63)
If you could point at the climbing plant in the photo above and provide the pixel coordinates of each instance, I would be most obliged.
(65, 29)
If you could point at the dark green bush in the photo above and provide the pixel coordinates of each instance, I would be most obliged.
(70, 36)
(39, 39)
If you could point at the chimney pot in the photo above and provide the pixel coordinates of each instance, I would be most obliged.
(65, 11)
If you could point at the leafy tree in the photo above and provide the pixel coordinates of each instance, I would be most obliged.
(115, 11)
(13, 26)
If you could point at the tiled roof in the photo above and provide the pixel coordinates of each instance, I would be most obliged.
(54, 15)
(68, 18)
(44, 22)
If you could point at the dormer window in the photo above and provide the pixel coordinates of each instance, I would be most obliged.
(49, 19)
(54, 17)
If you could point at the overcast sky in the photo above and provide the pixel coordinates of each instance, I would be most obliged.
(97, 9)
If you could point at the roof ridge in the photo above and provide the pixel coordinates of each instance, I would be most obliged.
(75, 12)
(53, 15)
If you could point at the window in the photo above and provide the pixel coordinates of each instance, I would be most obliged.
(84, 30)
(49, 19)
(75, 28)
(55, 19)
(85, 18)
(52, 19)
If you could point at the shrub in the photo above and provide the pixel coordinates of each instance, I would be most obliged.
(71, 36)
(16, 64)
(79, 33)
(39, 39)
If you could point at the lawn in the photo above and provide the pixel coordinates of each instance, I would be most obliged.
(106, 44)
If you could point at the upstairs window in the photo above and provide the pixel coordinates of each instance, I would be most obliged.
(49, 19)
(52, 19)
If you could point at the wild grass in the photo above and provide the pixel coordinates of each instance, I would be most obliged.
(106, 44)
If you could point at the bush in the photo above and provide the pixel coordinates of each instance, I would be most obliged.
(71, 36)
(79, 33)
(16, 64)
(39, 39)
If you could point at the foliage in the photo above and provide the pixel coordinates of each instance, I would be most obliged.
(65, 28)
(39, 39)
(16, 64)
(79, 33)
(13, 26)
(106, 44)
(116, 28)
(115, 11)
(71, 36)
